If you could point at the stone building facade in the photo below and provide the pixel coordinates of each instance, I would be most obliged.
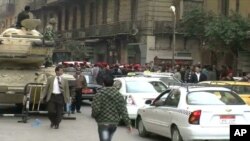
(128, 31)
(121, 31)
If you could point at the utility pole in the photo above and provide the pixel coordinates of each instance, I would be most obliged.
(174, 27)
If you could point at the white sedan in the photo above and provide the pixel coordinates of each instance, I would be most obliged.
(136, 90)
(193, 113)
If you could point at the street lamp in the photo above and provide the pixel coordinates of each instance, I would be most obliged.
(174, 26)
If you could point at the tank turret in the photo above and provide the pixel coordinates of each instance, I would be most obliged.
(24, 47)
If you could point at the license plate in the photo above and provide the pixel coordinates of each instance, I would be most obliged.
(227, 119)
(87, 91)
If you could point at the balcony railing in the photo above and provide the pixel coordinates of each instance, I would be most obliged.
(7, 9)
(167, 27)
(125, 27)
(37, 4)
(57, 1)
(78, 34)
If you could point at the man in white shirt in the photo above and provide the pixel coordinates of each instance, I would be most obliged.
(56, 94)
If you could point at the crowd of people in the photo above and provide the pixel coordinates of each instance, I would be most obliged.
(187, 73)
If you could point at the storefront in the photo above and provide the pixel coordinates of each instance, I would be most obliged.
(183, 61)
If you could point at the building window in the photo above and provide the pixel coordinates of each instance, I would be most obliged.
(225, 7)
(44, 19)
(134, 6)
(66, 19)
(74, 21)
(96, 11)
(117, 10)
(237, 6)
(83, 16)
(104, 11)
(51, 15)
(181, 9)
(91, 13)
(59, 24)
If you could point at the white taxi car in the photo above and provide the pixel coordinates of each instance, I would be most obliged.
(193, 113)
(136, 90)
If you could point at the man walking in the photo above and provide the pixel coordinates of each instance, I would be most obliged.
(80, 83)
(56, 94)
(107, 107)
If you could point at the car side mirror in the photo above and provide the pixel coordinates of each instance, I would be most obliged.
(148, 102)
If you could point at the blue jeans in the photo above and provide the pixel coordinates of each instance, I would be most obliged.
(106, 131)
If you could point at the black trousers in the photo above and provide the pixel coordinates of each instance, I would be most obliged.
(55, 108)
(106, 132)
(76, 104)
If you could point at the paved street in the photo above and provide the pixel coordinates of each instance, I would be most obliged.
(84, 128)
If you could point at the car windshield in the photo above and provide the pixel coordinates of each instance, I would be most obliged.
(145, 87)
(214, 98)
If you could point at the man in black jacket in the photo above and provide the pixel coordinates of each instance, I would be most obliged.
(198, 76)
(108, 107)
(22, 16)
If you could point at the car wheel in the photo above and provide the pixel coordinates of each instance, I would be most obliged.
(141, 129)
(176, 136)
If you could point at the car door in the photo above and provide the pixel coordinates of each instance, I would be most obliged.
(166, 112)
(149, 114)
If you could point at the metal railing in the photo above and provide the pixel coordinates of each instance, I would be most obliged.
(167, 27)
(123, 27)
(37, 4)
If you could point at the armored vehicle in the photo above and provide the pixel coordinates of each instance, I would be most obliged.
(22, 53)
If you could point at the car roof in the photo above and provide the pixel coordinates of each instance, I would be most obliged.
(225, 83)
(203, 88)
(147, 73)
(138, 79)
(159, 75)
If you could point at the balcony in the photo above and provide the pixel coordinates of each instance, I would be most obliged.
(67, 34)
(71, 34)
(106, 30)
(78, 34)
(37, 4)
(161, 27)
(7, 9)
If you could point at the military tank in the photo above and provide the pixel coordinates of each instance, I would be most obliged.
(24, 47)
(22, 53)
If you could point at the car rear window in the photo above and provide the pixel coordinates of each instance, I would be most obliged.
(169, 80)
(145, 87)
(90, 79)
(214, 98)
